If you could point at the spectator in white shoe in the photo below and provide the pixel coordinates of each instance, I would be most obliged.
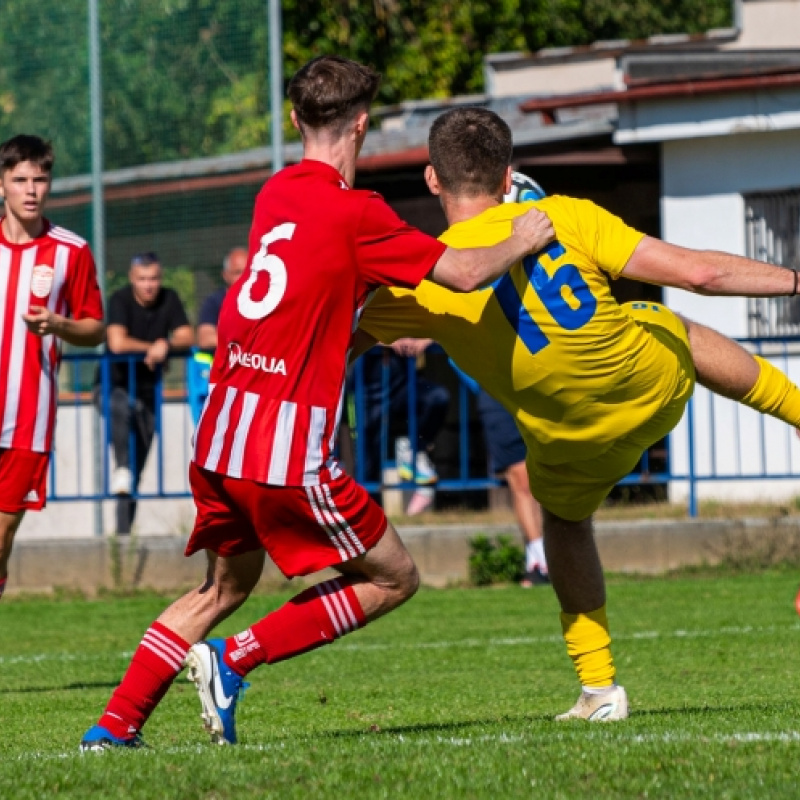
(144, 318)
(507, 460)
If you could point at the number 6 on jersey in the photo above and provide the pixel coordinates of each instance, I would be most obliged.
(274, 267)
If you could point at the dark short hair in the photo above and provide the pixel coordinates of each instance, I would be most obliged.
(470, 149)
(25, 147)
(328, 91)
(146, 259)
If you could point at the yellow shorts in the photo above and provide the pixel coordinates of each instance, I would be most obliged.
(575, 490)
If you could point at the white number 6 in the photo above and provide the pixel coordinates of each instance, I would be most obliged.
(276, 270)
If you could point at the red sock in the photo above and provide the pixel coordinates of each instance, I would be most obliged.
(156, 662)
(315, 617)
(2, 585)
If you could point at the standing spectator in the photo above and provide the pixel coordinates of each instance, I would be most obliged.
(233, 266)
(143, 318)
(48, 291)
(507, 459)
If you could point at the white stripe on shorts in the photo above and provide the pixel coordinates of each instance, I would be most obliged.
(344, 525)
(332, 534)
(336, 521)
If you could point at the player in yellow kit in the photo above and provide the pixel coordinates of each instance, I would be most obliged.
(591, 383)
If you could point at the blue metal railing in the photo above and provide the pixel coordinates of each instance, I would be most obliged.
(772, 449)
(702, 453)
(85, 396)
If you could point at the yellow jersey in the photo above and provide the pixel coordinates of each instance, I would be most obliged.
(547, 339)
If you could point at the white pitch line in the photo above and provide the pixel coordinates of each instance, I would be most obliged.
(745, 630)
(606, 732)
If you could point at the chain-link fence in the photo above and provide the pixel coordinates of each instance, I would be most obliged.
(181, 80)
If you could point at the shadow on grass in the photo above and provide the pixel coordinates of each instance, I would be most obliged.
(69, 687)
(432, 727)
(465, 727)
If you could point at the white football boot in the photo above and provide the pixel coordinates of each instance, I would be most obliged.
(609, 706)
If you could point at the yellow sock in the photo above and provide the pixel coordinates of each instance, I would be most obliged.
(774, 394)
(588, 643)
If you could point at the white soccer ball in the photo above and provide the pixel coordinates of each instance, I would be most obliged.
(523, 188)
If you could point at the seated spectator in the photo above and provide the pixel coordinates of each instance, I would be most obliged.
(233, 265)
(145, 318)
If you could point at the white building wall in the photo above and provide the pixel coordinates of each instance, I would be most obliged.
(704, 181)
(74, 469)
(545, 78)
(768, 23)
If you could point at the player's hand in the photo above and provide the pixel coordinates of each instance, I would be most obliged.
(409, 347)
(535, 228)
(42, 322)
(157, 353)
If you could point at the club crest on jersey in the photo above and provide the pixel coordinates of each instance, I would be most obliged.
(41, 280)
(254, 360)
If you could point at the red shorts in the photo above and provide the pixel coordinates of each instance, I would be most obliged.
(303, 528)
(23, 480)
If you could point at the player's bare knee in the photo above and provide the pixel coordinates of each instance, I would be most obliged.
(403, 581)
(409, 578)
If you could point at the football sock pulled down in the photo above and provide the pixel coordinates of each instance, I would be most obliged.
(588, 645)
(774, 394)
(312, 619)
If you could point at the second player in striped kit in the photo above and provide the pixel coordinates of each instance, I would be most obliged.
(48, 294)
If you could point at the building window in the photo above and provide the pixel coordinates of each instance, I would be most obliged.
(773, 235)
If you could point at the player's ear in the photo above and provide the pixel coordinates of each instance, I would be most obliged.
(432, 180)
(362, 123)
(508, 180)
(295, 122)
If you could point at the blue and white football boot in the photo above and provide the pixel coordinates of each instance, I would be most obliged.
(219, 688)
(98, 738)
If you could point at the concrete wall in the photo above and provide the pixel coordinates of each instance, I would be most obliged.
(441, 553)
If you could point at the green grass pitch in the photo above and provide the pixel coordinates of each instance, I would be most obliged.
(451, 696)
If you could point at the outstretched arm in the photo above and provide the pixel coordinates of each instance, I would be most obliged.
(707, 272)
(471, 268)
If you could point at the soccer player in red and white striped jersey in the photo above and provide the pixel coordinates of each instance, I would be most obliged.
(264, 476)
(48, 292)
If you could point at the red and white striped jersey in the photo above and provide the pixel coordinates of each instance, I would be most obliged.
(317, 250)
(57, 271)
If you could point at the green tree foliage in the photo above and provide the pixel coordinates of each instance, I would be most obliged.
(188, 78)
